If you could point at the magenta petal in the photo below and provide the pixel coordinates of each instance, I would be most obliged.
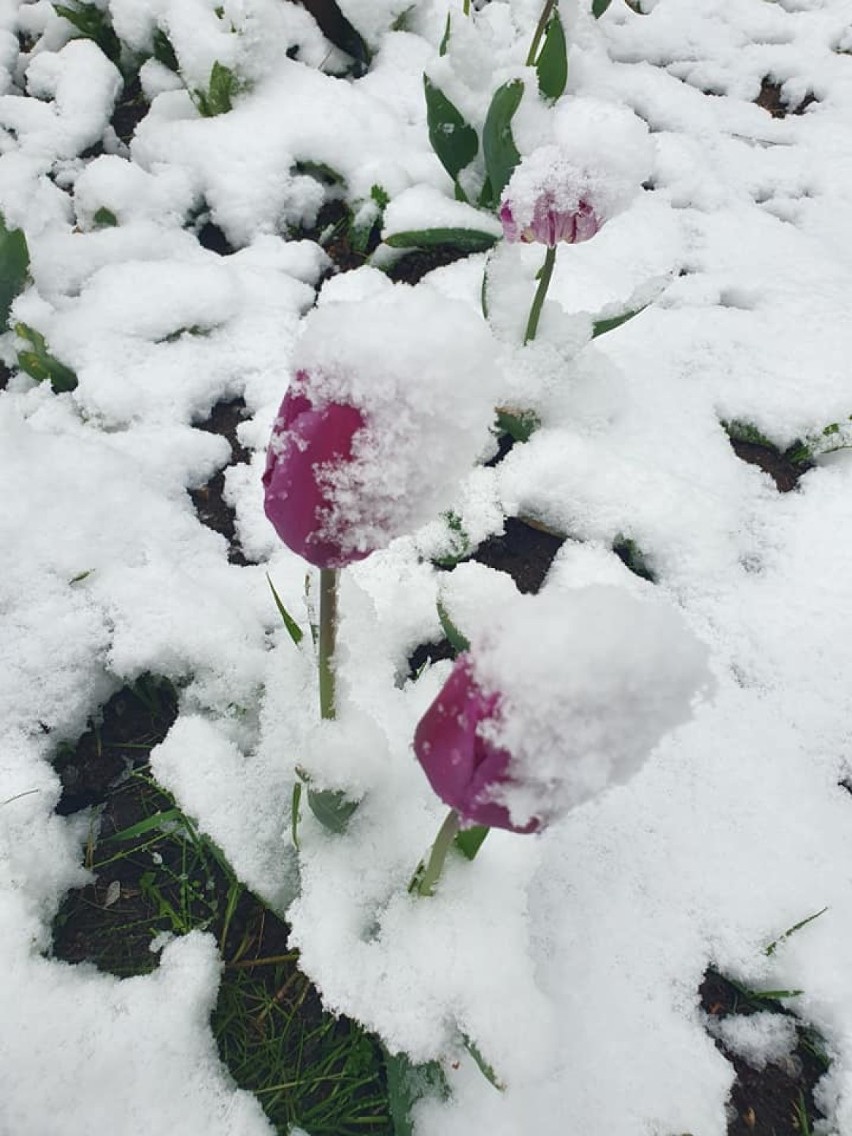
(510, 229)
(306, 442)
(464, 767)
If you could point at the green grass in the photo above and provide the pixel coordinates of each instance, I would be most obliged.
(157, 873)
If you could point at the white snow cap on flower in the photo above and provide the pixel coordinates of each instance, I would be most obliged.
(422, 369)
(590, 680)
(600, 155)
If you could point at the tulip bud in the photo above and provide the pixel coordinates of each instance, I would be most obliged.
(562, 696)
(308, 444)
(549, 224)
(464, 766)
(389, 408)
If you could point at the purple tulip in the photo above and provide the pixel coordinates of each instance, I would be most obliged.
(309, 444)
(550, 223)
(464, 766)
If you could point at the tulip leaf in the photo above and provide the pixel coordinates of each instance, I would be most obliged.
(338, 30)
(40, 365)
(456, 639)
(633, 558)
(466, 240)
(332, 808)
(223, 86)
(552, 62)
(295, 813)
(445, 40)
(498, 145)
(14, 268)
(408, 1084)
(293, 629)
(92, 23)
(602, 326)
(164, 52)
(104, 218)
(484, 1067)
(458, 542)
(470, 840)
(520, 425)
(599, 7)
(452, 138)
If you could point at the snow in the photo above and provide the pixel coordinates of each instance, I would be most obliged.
(758, 1038)
(573, 958)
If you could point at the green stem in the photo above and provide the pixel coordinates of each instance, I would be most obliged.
(545, 273)
(546, 12)
(425, 884)
(466, 7)
(327, 639)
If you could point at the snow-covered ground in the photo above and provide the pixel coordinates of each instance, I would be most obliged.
(571, 958)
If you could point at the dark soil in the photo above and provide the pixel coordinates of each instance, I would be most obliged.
(770, 98)
(522, 551)
(5, 375)
(211, 237)
(785, 472)
(772, 1101)
(209, 500)
(131, 723)
(413, 266)
(130, 109)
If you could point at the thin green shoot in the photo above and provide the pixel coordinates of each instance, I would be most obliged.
(782, 938)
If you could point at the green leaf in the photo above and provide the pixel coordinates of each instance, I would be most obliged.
(332, 808)
(452, 138)
(552, 62)
(466, 240)
(336, 28)
(293, 629)
(321, 172)
(40, 365)
(156, 820)
(14, 268)
(91, 22)
(458, 542)
(518, 424)
(633, 558)
(105, 218)
(380, 196)
(485, 1069)
(219, 96)
(602, 326)
(295, 814)
(498, 145)
(409, 1083)
(470, 840)
(445, 39)
(456, 639)
(164, 52)
(599, 7)
(770, 950)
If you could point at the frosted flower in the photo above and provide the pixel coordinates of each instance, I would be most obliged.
(566, 192)
(463, 764)
(387, 412)
(308, 444)
(564, 695)
(549, 225)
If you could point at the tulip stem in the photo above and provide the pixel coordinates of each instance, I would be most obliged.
(544, 275)
(539, 31)
(327, 639)
(425, 884)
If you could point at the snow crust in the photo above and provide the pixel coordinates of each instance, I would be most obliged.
(573, 958)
